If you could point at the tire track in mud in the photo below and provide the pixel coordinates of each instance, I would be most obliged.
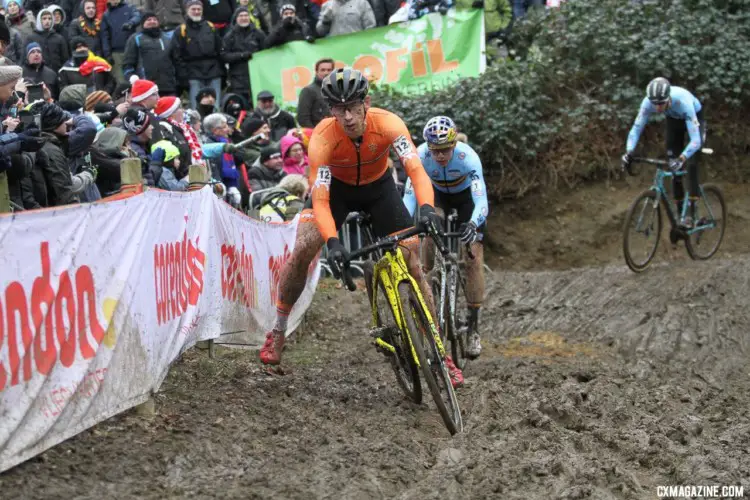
(595, 383)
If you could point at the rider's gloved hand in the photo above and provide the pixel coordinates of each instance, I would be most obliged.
(676, 164)
(337, 255)
(428, 215)
(468, 232)
(626, 161)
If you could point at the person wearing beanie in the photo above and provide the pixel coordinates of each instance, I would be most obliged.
(289, 28)
(175, 130)
(118, 24)
(169, 12)
(19, 19)
(94, 98)
(219, 13)
(197, 52)
(137, 123)
(206, 101)
(174, 173)
(147, 56)
(144, 93)
(54, 46)
(87, 27)
(270, 170)
(66, 138)
(240, 43)
(35, 71)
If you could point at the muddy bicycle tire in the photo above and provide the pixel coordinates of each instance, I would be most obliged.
(457, 333)
(434, 370)
(402, 363)
(692, 246)
(636, 209)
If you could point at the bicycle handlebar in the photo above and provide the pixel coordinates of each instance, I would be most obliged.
(390, 242)
(651, 161)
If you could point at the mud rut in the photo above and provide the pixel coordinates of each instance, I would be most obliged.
(594, 383)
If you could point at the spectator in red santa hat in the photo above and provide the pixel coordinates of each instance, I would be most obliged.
(145, 93)
(174, 129)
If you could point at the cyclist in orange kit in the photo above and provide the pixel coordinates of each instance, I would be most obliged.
(348, 172)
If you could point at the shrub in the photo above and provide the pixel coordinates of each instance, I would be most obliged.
(560, 111)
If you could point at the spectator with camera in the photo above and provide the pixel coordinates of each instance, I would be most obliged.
(289, 28)
(36, 72)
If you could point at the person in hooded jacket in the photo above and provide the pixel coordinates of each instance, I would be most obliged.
(147, 56)
(18, 18)
(59, 18)
(235, 106)
(88, 27)
(118, 23)
(110, 147)
(54, 46)
(196, 52)
(306, 10)
(289, 29)
(279, 120)
(240, 43)
(294, 156)
(35, 71)
(84, 68)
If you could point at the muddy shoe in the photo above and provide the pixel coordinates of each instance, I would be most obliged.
(270, 353)
(457, 376)
(474, 349)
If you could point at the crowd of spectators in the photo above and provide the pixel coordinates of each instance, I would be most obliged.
(87, 83)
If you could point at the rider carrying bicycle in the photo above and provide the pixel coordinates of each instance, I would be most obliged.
(684, 114)
(456, 174)
(348, 171)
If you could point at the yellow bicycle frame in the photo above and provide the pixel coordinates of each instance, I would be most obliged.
(391, 270)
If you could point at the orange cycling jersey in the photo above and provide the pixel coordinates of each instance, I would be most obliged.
(334, 155)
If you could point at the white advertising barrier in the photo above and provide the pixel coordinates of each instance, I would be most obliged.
(97, 300)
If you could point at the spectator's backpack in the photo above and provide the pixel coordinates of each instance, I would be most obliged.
(280, 206)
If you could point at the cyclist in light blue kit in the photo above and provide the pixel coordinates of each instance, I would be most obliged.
(684, 115)
(456, 174)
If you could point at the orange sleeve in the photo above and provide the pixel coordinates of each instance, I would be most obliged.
(320, 180)
(407, 153)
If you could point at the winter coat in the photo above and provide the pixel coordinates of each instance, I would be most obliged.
(284, 33)
(292, 166)
(106, 155)
(53, 164)
(239, 46)
(380, 11)
(62, 27)
(70, 74)
(221, 13)
(93, 42)
(112, 35)
(23, 23)
(262, 177)
(279, 120)
(9, 144)
(21, 182)
(151, 171)
(42, 74)
(196, 51)
(169, 12)
(148, 57)
(17, 48)
(54, 46)
(339, 17)
(169, 181)
(306, 10)
(175, 135)
(312, 108)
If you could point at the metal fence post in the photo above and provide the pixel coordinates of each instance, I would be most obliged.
(198, 176)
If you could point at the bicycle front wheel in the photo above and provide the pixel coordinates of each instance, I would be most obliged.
(433, 366)
(642, 231)
(710, 221)
(401, 361)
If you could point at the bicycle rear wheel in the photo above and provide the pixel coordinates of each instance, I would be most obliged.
(642, 226)
(432, 363)
(711, 211)
(457, 331)
(402, 362)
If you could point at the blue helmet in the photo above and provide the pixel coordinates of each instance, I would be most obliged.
(440, 132)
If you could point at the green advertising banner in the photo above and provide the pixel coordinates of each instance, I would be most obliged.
(415, 57)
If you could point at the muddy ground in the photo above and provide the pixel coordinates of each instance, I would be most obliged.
(595, 383)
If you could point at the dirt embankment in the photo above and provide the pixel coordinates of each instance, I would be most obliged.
(594, 383)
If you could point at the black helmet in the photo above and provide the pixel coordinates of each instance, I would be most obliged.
(658, 90)
(345, 85)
